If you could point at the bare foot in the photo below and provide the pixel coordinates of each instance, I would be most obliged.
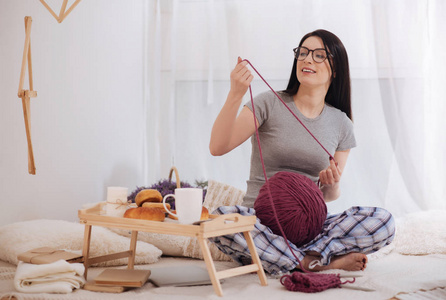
(349, 262)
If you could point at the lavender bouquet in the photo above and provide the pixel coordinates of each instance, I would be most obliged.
(165, 187)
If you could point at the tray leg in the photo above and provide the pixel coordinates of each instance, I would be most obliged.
(255, 257)
(86, 248)
(210, 266)
(133, 240)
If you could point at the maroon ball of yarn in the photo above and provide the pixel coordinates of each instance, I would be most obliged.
(299, 203)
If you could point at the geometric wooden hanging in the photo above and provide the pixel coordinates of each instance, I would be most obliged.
(27, 94)
(62, 14)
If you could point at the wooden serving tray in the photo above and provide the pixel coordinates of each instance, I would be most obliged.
(217, 225)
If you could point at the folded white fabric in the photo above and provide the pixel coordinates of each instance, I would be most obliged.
(59, 277)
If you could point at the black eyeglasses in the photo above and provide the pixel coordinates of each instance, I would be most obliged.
(319, 54)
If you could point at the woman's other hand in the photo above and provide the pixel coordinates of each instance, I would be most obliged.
(331, 175)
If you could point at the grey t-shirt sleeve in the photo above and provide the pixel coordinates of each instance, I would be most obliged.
(347, 136)
(263, 105)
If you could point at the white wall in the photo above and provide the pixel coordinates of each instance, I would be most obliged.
(97, 101)
(88, 119)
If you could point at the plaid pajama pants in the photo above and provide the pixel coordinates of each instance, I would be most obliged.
(358, 229)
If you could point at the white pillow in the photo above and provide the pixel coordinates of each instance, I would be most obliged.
(421, 233)
(23, 236)
(218, 194)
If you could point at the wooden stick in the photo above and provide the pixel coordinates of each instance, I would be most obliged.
(210, 266)
(30, 65)
(70, 9)
(107, 257)
(30, 94)
(255, 257)
(27, 117)
(62, 11)
(237, 271)
(25, 94)
(28, 21)
(50, 10)
(133, 240)
(358, 288)
(86, 248)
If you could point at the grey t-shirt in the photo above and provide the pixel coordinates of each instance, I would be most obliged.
(287, 146)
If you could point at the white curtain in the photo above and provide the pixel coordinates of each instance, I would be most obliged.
(397, 69)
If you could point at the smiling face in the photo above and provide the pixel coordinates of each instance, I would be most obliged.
(312, 74)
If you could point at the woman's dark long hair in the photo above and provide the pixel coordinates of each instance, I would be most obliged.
(339, 93)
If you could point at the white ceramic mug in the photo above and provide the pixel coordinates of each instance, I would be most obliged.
(188, 204)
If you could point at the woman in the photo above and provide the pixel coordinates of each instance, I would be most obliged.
(318, 93)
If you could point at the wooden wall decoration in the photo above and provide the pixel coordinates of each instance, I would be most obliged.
(27, 94)
(63, 12)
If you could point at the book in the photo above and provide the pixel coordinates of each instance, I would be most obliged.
(179, 276)
(47, 255)
(91, 286)
(123, 277)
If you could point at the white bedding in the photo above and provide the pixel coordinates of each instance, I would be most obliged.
(389, 276)
(389, 272)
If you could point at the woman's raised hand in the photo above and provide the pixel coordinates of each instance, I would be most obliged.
(331, 175)
(241, 78)
(231, 128)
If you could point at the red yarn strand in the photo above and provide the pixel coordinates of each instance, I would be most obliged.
(305, 282)
(266, 177)
(297, 118)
